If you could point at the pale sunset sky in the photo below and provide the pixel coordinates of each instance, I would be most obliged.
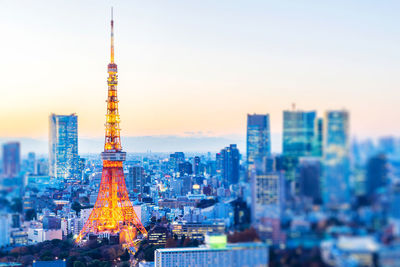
(199, 66)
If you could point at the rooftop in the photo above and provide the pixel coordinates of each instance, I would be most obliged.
(204, 248)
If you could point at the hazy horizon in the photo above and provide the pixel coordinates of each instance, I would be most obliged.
(156, 144)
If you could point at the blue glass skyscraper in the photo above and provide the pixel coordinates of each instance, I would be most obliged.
(301, 137)
(318, 138)
(335, 182)
(63, 146)
(258, 138)
(298, 133)
(229, 162)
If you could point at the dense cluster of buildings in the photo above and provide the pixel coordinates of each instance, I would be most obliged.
(324, 190)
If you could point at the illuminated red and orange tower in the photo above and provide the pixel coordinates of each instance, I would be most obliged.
(113, 212)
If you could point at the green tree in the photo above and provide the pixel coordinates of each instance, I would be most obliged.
(76, 206)
(149, 252)
(95, 263)
(46, 255)
(126, 256)
(79, 264)
(30, 214)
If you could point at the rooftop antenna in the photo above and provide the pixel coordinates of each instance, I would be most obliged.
(112, 35)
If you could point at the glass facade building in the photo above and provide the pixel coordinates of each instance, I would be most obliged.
(335, 182)
(318, 138)
(258, 141)
(267, 189)
(302, 136)
(308, 176)
(229, 161)
(298, 133)
(11, 159)
(267, 201)
(135, 179)
(63, 146)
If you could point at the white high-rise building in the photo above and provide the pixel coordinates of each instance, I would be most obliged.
(216, 253)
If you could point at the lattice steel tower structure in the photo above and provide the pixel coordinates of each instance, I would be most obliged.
(113, 212)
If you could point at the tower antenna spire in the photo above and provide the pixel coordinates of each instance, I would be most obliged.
(112, 35)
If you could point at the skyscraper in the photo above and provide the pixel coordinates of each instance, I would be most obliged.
(318, 138)
(185, 168)
(377, 173)
(308, 177)
(388, 145)
(298, 133)
(11, 159)
(230, 157)
(196, 165)
(63, 146)
(175, 159)
(135, 179)
(394, 202)
(258, 138)
(267, 200)
(31, 163)
(299, 129)
(335, 182)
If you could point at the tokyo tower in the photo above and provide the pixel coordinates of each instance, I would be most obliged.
(113, 212)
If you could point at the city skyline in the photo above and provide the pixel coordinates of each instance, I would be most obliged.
(195, 65)
(187, 182)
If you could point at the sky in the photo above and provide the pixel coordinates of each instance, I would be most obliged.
(197, 68)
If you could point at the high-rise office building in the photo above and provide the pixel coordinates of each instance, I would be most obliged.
(31, 163)
(218, 163)
(5, 226)
(185, 168)
(308, 177)
(298, 140)
(318, 138)
(377, 174)
(11, 159)
(388, 145)
(394, 202)
(230, 158)
(335, 182)
(135, 179)
(63, 146)
(175, 159)
(268, 196)
(196, 165)
(298, 133)
(258, 138)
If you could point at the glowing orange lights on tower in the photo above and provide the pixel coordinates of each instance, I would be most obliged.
(113, 212)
